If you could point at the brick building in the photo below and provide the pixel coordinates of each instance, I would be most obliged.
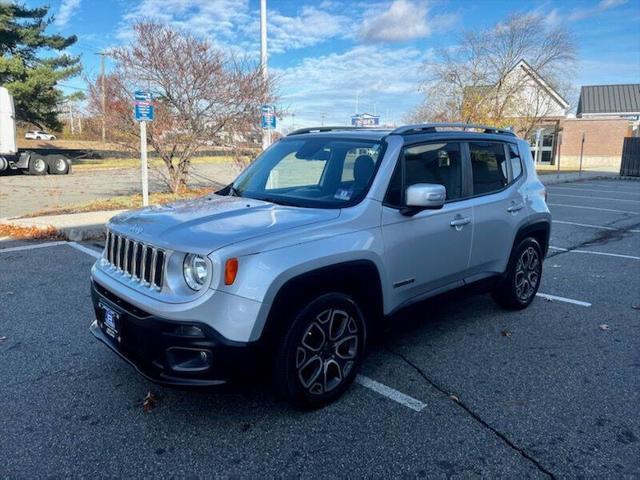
(606, 114)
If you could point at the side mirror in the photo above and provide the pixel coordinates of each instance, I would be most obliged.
(424, 196)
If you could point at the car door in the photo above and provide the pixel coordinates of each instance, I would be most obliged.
(498, 205)
(428, 251)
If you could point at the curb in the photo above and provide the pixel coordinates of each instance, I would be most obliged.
(73, 227)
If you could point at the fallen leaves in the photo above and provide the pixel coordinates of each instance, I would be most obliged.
(454, 397)
(505, 333)
(28, 233)
(2, 339)
(149, 403)
(604, 326)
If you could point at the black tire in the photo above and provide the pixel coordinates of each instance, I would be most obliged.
(321, 353)
(58, 164)
(521, 281)
(37, 165)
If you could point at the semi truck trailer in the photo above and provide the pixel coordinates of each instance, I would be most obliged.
(11, 158)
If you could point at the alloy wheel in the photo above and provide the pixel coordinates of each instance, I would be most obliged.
(327, 351)
(528, 271)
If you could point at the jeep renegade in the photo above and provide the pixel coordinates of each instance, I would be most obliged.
(328, 233)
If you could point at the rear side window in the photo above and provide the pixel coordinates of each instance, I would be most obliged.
(489, 167)
(516, 162)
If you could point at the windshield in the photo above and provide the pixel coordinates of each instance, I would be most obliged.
(312, 172)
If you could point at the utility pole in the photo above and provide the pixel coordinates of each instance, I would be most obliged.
(71, 126)
(322, 115)
(104, 97)
(266, 133)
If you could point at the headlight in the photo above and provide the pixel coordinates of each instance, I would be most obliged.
(195, 271)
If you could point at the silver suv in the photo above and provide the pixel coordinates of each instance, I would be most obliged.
(313, 248)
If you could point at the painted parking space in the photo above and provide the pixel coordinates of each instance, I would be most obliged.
(457, 387)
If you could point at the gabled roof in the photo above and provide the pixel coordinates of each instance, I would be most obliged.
(541, 81)
(530, 71)
(603, 99)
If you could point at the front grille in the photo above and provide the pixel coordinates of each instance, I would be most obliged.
(143, 263)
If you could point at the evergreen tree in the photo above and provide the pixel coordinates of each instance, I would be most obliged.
(33, 63)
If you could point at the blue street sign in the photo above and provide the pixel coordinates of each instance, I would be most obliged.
(268, 116)
(142, 96)
(144, 111)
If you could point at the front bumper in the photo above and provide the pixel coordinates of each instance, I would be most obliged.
(161, 351)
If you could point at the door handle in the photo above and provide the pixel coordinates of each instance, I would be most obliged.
(460, 222)
(515, 207)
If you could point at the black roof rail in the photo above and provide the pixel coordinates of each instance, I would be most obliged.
(433, 128)
(300, 131)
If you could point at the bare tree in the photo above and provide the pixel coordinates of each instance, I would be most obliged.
(202, 96)
(501, 76)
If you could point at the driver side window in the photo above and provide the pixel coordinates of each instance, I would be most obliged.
(438, 163)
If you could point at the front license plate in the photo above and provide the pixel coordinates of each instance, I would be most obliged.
(110, 321)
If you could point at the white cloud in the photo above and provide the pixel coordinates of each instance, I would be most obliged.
(402, 20)
(218, 20)
(67, 9)
(386, 78)
(233, 24)
(311, 27)
(582, 13)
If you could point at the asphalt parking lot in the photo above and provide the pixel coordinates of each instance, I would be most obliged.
(458, 388)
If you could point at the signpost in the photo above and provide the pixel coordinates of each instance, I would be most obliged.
(143, 110)
(268, 120)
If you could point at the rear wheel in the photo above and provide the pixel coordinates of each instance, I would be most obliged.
(522, 278)
(37, 165)
(320, 355)
(58, 164)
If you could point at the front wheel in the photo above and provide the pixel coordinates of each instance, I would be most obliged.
(520, 284)
(320, 355)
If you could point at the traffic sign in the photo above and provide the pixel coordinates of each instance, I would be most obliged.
(268, 116)
(142, 96)
(144, 111)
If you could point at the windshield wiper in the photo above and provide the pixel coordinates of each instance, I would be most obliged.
(279, 201)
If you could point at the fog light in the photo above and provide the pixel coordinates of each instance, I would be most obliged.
(188, 359)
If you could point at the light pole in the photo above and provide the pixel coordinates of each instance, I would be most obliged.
(266, 133)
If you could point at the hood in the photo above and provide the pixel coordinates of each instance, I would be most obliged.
(209, 223)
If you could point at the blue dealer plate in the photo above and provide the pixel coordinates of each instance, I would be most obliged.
(110, 320)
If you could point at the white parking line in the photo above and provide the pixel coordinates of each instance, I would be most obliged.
(82, 248)
(591, 252)
(588, 225)
(391, 393)
(31, 247)
(592, 208)
(551, 188)
(553, 194)
(621, 187)
(563, 299)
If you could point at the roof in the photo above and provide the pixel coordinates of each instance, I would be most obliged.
(529, 70)
(605, 99)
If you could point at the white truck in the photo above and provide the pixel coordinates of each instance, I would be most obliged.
(30, 162)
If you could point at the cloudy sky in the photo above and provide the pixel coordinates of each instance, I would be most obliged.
(327, 53)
